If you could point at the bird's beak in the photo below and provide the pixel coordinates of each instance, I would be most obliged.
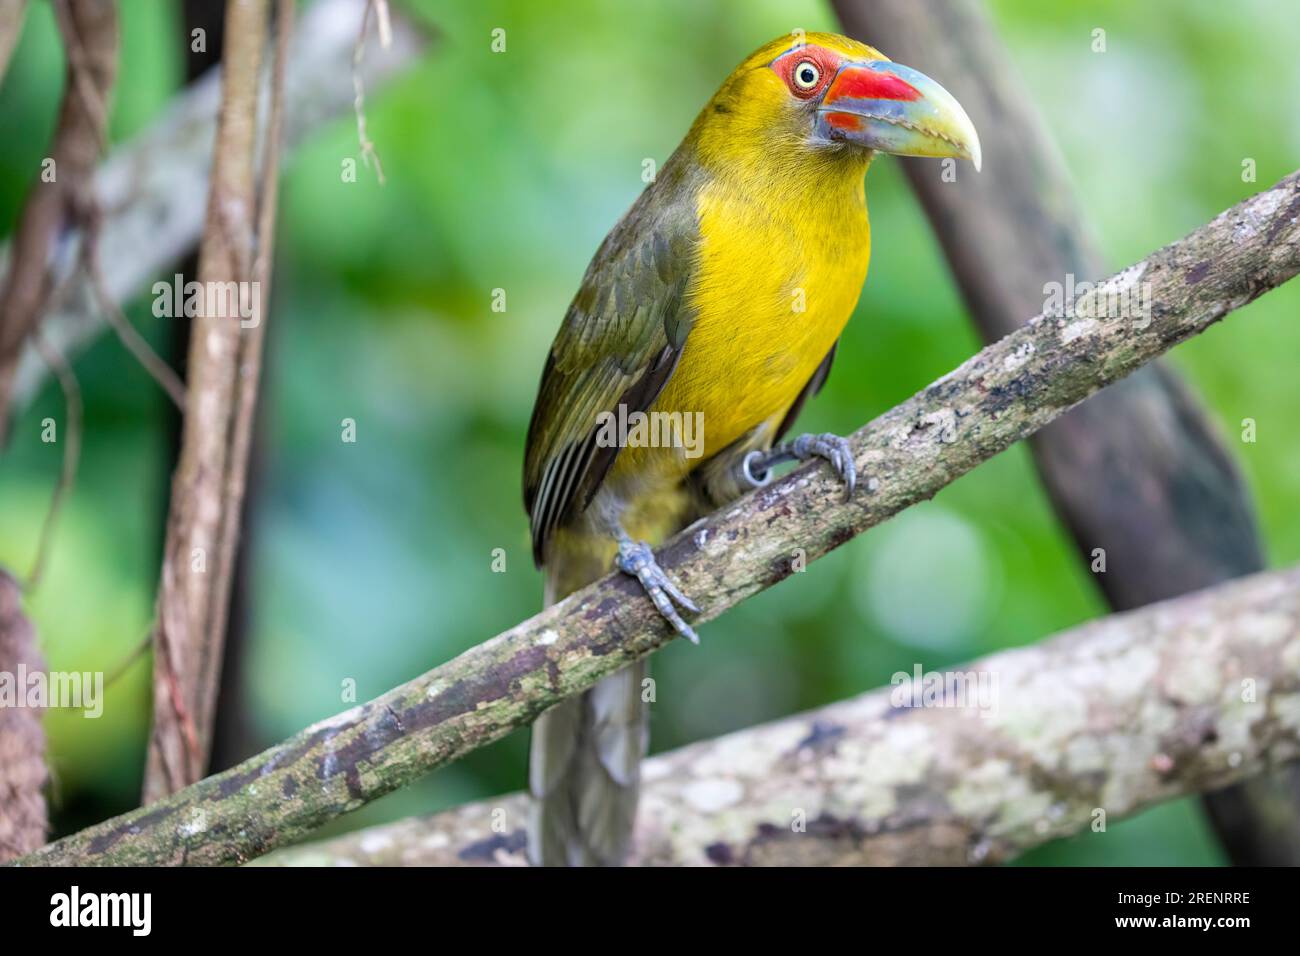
(893, 108)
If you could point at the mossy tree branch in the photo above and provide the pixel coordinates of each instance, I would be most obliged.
(1065, 736)
(1001, 395)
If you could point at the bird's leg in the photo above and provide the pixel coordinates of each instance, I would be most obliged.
(636, 558)
(756, 467)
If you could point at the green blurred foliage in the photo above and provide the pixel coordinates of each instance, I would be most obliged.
(372, 561)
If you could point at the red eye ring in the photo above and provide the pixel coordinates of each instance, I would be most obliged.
(806, 69)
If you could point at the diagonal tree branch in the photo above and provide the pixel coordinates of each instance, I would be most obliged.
(1001, 395)
(1137, 470)
(1023, 747)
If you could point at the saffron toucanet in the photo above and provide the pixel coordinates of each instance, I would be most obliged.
(719, 295)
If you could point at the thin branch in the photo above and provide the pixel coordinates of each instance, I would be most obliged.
(59, 193)
(90, 216)
(1003, 394)
(207, 490)
(368, 152)
(85, 59)
(66, 199)
(75, 412)
(163, 374)
(1065, 736)
(252, 341)
(30, 284)
(267, 203)
(119, 670)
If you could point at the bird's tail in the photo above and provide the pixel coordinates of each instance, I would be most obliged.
(584, 764)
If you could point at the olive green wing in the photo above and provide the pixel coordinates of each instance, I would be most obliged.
(619, 344)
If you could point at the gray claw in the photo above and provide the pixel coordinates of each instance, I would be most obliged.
(835, 450)
(636, 558)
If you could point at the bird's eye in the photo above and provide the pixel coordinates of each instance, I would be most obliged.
(806, 75)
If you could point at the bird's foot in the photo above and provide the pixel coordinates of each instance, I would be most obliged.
(636, 558)
(756, 467)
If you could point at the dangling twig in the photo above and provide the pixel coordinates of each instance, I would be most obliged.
(71, 455)
(368, 151)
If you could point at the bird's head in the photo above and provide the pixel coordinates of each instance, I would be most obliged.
(826, 94)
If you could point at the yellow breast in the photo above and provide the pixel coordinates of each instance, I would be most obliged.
(775, 284)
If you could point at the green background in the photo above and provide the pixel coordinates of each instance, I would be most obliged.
(373, 561)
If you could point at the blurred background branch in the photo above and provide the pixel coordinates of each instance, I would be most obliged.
(1137, 472)
(148, 186)
(1067, 735)
(61, 196)
(62, 192)
(11, 27)
(1005, 393)
(224, 369)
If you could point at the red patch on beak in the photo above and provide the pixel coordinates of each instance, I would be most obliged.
(844, 121)
(863, 84)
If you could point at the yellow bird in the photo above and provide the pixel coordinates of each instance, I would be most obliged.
(707, 317)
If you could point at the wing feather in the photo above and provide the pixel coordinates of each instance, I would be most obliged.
(619, 343)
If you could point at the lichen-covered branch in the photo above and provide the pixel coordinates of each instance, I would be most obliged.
(1003, 394)
(1064, 736)
(147, 186)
